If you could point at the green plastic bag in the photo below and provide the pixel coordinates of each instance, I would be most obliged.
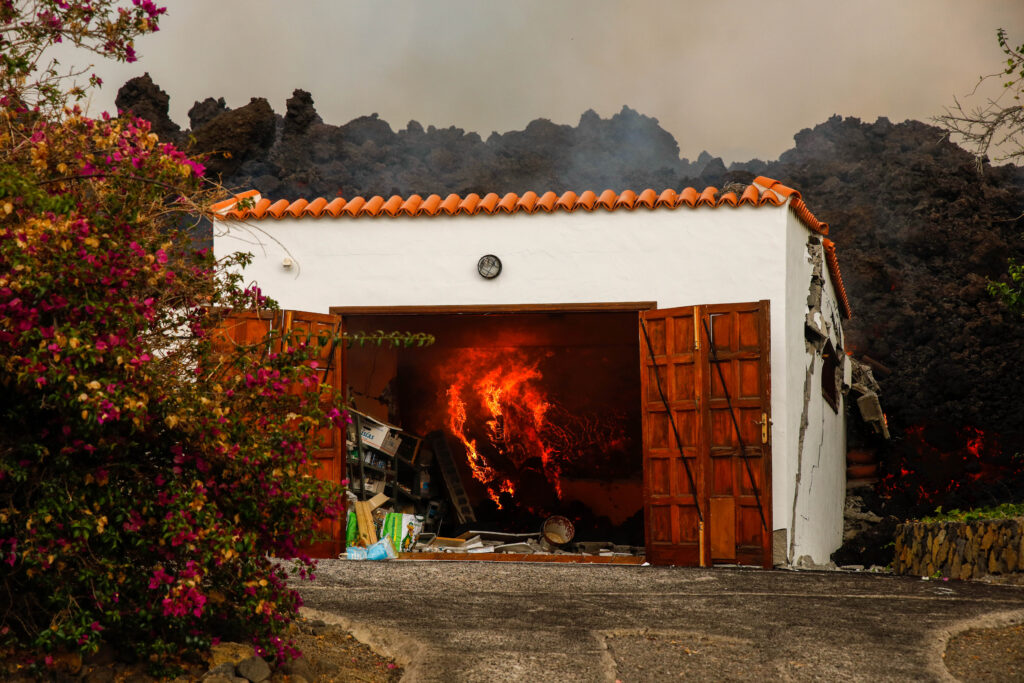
(352, 529)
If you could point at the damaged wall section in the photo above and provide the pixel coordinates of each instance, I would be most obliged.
(819, 374)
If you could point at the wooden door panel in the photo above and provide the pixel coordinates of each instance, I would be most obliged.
(738, 397)
(722, 513)
(671, 418)
(712, 366)
(316, 329)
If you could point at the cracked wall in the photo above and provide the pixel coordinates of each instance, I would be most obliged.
(818, 373)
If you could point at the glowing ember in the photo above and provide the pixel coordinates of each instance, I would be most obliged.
(974, 467)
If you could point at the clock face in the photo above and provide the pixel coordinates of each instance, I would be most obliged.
(489, 266)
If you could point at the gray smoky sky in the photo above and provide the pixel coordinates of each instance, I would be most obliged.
(737, 78)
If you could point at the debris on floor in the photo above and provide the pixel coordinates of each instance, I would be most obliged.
(405, 490)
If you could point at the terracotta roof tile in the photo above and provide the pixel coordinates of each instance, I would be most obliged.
(315, 208)
(607, 200)
(837, 278)
(278, 208)
(335, 207)
(567, 201)
(647, 198)
(750, 196)
(295, 208)
(355, 206)
(668, 198)
(250, 205)
(626, 199)
(547, 202)
(707, 197)
(586, 200)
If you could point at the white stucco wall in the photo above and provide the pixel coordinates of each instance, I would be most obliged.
(814, 485)
(674, 257)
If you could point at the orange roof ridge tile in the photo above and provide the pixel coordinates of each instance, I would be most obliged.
(707, 197)
(452, 204)
(546, 202)
(750, 195)
(431, 205)
(668, 197)
(689, 197)
(489, 203)
(837, 277)
(315, 208)
(626, 199)
(586, 200)
(508, 202)
(607, 200)
(567, 201)
(647, 198)
(392, 206)
(355, 206)
(278, 208)
(411, 206)
(798, 207)
(295, 208)
(373, 205)
(728, 198)
(527, 202)
(335, 206)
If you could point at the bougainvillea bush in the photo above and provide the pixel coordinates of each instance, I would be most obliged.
(147, 474)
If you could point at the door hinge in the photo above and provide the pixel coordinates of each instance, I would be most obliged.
(765, 423)
(696, 329)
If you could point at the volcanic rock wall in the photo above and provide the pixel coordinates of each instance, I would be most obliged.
(919, 233)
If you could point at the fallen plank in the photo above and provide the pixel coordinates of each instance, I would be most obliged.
(364, 521)
(378, 500)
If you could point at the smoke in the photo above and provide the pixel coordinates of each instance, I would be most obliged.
(736, 78)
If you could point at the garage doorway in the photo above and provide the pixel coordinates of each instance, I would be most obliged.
(546, 408)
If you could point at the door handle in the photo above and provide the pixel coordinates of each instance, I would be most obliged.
(765, 423)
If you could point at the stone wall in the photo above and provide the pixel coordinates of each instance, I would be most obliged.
(960, 550)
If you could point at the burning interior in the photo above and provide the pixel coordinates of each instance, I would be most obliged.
(540, 411)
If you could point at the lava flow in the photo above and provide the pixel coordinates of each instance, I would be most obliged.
(966, 468)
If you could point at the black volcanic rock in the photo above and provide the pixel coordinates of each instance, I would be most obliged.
(203, 112)
(143, 98)
(235, 136)
(300, 113)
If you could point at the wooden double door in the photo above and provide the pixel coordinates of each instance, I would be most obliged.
(706, 434)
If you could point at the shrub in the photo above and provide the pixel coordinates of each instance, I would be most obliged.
(147, 475)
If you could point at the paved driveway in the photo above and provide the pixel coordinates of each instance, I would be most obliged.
(468, 621)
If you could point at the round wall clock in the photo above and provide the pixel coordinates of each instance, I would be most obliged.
(489, 266)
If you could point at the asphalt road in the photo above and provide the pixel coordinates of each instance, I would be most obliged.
(469, 621)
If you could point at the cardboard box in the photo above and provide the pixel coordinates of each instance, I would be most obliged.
(378, 435)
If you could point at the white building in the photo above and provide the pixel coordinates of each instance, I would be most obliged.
(749, 266)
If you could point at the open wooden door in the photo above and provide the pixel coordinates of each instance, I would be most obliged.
(249, 327)
(329, 453)
(706, 394)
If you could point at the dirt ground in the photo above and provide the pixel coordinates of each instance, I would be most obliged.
(335, 655)
(331, 654)
(987, 655)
